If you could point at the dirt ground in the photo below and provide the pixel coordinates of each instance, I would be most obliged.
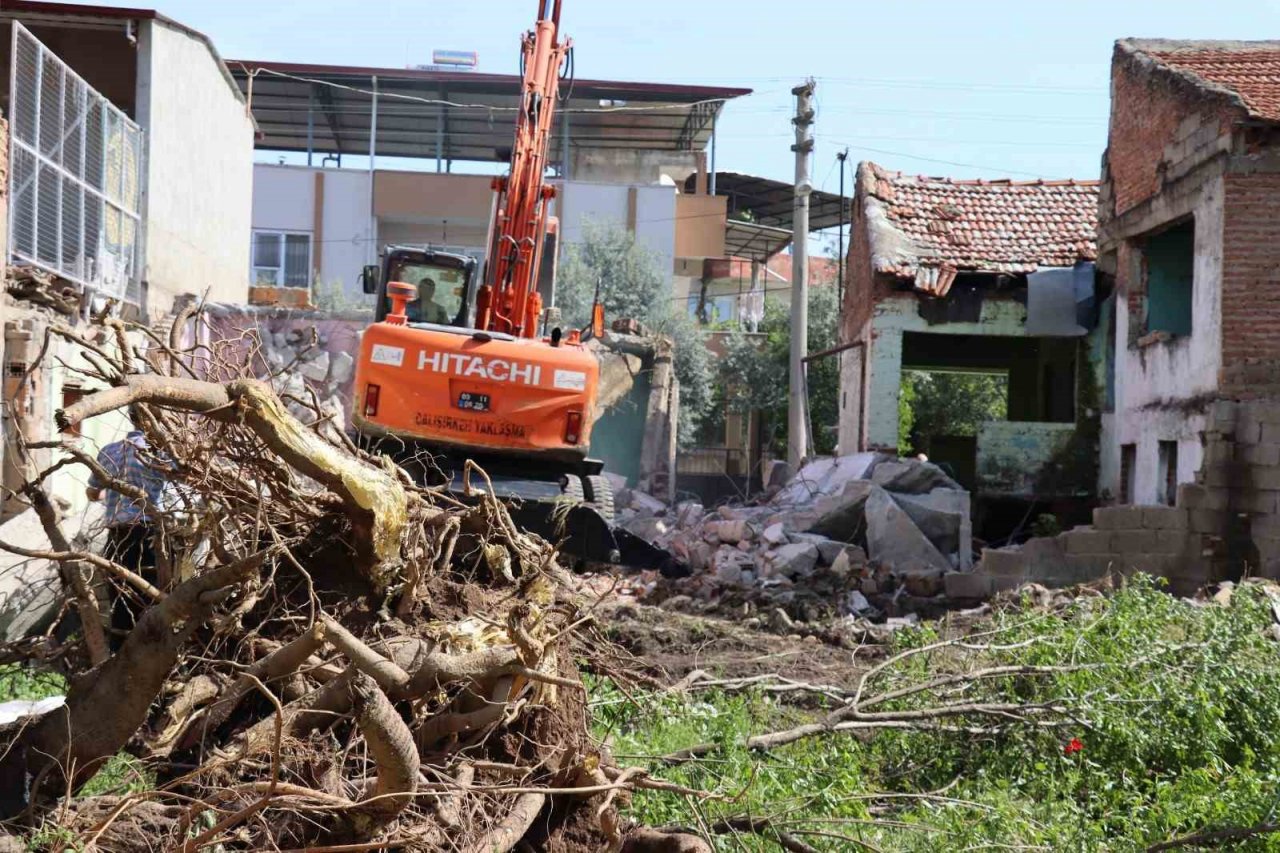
(672, 644)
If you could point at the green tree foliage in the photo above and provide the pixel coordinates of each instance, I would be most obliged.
(755, 370)
(632, 284)
(951, 404)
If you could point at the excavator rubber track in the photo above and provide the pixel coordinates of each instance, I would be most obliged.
(574, 511)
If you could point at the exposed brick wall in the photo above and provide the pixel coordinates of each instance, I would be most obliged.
(859, 294)
(1153, 113)
(1250, 280)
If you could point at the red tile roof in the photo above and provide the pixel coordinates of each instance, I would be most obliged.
(928, 228)
(1248, 72)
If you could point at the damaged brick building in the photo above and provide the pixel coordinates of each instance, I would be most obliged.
(1189, 232)
(979, 277)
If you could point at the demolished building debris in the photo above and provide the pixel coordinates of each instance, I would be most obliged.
(863, 535)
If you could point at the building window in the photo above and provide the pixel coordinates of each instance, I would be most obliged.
(281, 259)
(1128, 458)
(1168, 259)
(1168, 470)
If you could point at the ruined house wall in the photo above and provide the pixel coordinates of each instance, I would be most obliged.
(1152, 112)
(1165, 162)
(1225, 524)
(855, 320)
(895, 315)
(1251, 282)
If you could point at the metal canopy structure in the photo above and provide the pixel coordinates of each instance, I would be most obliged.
(771, 202)
(754, 241)
(454, 115)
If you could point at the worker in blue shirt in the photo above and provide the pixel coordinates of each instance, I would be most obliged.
(130, 520)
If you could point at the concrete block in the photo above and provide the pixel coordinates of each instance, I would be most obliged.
(1223, 416)
(1156, 565)
(1125, 517)
(1164, 518)
(1090, 567)
(1265, 525)
(1270, 433)
(1207, 521)
(1219, 453)
(1129, 542)
(1255, 501)
(1264, 412)
(1003, 563)
(1087, 540)
(1264, 477)
(968, 585)
(1192, 496)
(1005, 584)
(1258, 454)
(1248, 427)
(1172, 542)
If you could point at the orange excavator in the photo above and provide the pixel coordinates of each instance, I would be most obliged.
(451, 371)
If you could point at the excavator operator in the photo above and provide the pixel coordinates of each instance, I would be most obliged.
(425, 309)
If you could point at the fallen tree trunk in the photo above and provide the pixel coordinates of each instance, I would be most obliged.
(305, 715)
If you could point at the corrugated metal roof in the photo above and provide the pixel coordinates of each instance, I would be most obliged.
(460, 114)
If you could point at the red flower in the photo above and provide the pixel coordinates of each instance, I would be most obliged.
(1073, 746)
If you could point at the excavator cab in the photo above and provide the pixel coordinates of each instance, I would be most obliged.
(445, 283)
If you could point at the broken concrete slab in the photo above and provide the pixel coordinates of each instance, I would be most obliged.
(729, 531)
(894, 539)
(825, 477)
(911, 477)
(943, 516)
(838, 516)
(774, 534)
(647, 528)
(796, 560)
(828, 549)
(647, 504)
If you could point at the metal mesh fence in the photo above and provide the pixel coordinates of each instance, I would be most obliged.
(75, 174)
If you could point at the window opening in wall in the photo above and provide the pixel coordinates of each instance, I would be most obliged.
(281, 259)
(1168, 470)
(1128, 456)
(1168, 260)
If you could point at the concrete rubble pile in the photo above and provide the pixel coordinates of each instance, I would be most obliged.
(299, 364)
(867, 536)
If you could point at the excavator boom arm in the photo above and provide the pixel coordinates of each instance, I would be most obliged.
(508, 301)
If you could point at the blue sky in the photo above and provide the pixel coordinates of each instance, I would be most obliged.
(988, 88)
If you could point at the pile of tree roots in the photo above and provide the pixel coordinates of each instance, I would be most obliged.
(331, 656)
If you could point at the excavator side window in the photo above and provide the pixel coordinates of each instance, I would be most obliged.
(442, 291)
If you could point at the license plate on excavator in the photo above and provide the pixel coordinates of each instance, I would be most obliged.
(473, 402)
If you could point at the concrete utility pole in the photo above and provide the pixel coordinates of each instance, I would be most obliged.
(797, 425)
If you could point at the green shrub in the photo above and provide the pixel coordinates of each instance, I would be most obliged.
(1176, 706)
